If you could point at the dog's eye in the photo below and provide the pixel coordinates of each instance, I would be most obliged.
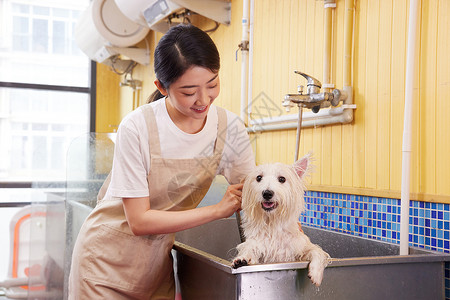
(281, 179)
(258, 178)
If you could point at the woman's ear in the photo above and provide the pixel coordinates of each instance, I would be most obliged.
(160, 87)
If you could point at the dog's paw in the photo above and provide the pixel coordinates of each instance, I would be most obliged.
(316, 269)
(239, 262)
(316, 276)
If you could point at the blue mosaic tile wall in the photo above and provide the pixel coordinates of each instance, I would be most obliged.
(379, 218)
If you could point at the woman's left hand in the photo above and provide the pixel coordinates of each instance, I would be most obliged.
(231, 201)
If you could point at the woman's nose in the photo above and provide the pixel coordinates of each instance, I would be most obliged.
(203, 98)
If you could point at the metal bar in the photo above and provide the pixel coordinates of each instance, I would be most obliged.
(93, 96)
(62, 88)
(14, 204)
(299, 128)
(34, 184)
(15, 185)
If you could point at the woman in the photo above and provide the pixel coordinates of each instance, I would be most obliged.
(166, 155)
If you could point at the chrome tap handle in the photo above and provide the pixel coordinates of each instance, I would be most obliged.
(311, 80)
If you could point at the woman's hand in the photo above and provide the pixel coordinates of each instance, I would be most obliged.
(231, 201)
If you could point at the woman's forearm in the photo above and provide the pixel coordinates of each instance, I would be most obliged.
(143, 220)
(162, 222)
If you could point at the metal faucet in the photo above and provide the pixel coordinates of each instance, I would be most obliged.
(314, 99)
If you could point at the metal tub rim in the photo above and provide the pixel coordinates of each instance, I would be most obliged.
(418, 255)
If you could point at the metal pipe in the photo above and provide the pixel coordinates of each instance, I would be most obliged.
(244, 60)
(407, 124)
(299, 129)
(348, 34)
(347, 116)
(328, 18)
(250, 61)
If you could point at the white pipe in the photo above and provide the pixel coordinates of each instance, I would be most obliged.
(308, 115)
(407, 124)
(343, 118)
(250, 61)
(244, 59)
(328, 25)
(348, 52)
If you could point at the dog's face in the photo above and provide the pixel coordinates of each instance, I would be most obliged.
(275, 189)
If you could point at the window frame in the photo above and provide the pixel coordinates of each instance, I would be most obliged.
(91, 91)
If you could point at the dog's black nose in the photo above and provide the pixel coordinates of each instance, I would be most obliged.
(267, 194)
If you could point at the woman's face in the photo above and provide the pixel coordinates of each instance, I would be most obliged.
(191, 95)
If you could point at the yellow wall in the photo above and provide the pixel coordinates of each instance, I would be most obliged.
(107, 117)
(363, 157)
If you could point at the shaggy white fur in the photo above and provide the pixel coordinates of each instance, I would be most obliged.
(272, 200)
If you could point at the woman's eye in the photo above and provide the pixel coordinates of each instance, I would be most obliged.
(258, 178)
(189, 95)
(281, 179)
(212, 87)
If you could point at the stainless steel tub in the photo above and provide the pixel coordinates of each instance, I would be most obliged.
(360, 269)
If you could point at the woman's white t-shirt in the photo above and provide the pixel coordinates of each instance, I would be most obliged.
(131, 163)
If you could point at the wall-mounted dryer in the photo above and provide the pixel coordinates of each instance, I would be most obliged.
(103, 32)
(155, 13)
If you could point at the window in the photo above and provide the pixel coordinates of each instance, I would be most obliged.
(46, 102)
(44, 88)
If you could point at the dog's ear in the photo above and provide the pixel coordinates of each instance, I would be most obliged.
(302, 165)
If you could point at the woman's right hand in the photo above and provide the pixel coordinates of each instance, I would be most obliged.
(231, 201)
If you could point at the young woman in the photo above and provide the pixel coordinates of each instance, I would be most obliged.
(166, 155)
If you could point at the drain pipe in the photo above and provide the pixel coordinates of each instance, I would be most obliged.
(347, 115)
(243, 46)
(407, 124)
(250, 61)
(328, 26)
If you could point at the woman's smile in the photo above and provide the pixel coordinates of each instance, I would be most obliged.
(200, 110)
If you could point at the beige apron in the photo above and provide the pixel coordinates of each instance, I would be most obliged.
(109, 262)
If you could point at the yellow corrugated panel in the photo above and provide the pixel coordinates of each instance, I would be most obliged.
(415, 157)
(335, 154)
(371, 89)
(290, 146)
(359, 96)
(442, 99)
(327, 155)
(399, 27)
(342, 163)
(427, 107)
(318, 152)
(337, 142)
(384, 95)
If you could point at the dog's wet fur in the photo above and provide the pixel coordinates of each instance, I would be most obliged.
(272, 200)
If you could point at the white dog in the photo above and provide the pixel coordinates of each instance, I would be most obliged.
(272, 200)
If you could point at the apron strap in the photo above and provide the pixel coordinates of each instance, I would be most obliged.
(102, 192)
(152, 129)
(221, 131)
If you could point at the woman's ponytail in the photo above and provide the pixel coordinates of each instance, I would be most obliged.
(155, 96)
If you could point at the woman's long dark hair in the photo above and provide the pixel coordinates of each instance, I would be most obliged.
(180, 48)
